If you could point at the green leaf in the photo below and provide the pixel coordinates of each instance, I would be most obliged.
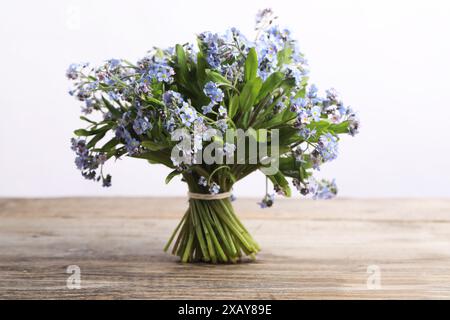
(279, 180)
(154, 102)
(95, 139)
(172, 175)
(284, 56)
(88, 120)
(87, 133)
(152, 146)
(181, 62)
(117, 153)
(290, 135)
(155, 157)
(288, 115)
(110, 144)
(273, 122)
(201, 68)
(320, 126)
(81, 133)
(217, 78)
(271, 83)
(234, 106)
(288, 84)
(293, 167)
(339, 128)
(115, 113)
(249, 94)
(251, 65)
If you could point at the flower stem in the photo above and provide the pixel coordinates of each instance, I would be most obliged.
(211, 232)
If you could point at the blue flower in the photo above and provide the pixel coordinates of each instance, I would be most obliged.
(113, 64)
(303, 117)
(312, 92)
(223, 111)
(165, 75)
(295, 73)
(222, 125)
(187, 114)
(332, 95)
(342, 110)
(72, 71)
(214, 188)
(87, 162)
(316, 160)
(169, 124)
(141, 125)
(143, 87)
(322, 189)
(316, 112)
(328, 147)
(298, 104)
(264, 16)
(267, 201)
(132, 146)
(113, 95)
(208, 109)
(213, 92)
(279, 106)
(172, 99)
(106, 181)
(161, 71)
(212, 46)
(203, 181)
(353, 125)
(306, 133)
(89, 106)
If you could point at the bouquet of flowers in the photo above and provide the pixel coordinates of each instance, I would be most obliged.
(213, 114)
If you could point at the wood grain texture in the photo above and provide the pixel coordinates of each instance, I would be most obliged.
(310, 250)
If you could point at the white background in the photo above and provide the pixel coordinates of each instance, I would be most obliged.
(389, 60)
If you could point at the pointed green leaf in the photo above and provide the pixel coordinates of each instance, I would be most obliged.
(234, 106)
(81, 133)
(110, 144)
(217, 78)
(284, 56)
(279, 180)
(172, 175)
(249, 94)
(95, 139)
(251, 65)
(339, 128)
(155, 158)
(181, 63)
(271, 83)
(201, 68)
(115, 113)
(87, 120)
(87, 133)
(152, 146)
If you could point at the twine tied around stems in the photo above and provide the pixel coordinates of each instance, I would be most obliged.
(209, 197)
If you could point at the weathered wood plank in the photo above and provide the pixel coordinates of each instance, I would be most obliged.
(310, 250)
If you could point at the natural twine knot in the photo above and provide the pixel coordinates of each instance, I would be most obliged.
(208, 197)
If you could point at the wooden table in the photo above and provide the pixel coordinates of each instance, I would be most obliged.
(318, 250)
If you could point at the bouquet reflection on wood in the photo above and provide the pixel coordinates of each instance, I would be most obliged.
(171, 106)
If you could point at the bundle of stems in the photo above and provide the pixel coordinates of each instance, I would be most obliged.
(211, 232)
